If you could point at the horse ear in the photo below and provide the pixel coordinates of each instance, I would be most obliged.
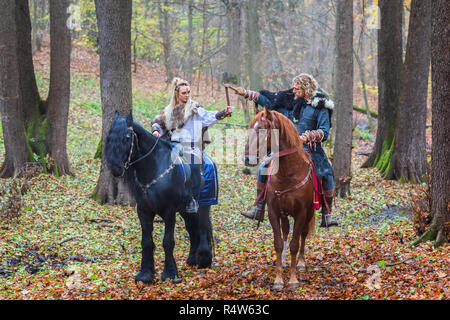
(130, 119)
(256, 109)
(267, 113)
(116, 115)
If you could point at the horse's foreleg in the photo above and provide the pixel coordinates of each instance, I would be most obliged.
(294, 246)
(278, 243)
(147, 272)
(204, 251)
(301, 265)
(170, 267)
(285, 231)
(191, 222)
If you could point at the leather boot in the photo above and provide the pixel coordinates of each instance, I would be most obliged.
(256, 212)
(192, 207)
(327, 220)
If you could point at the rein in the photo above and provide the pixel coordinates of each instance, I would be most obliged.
(128, 164)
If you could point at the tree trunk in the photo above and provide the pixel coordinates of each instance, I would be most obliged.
(408, 161)
(254, 58)
(342, 156)
(59, 91)
(360, 59)
(16, 154)
(233, 49)
(440, 174)
(114, 25)
(190, 45)
(277, 64)
(164, 29)
(389, 76)
(29, 93)
(44, 131)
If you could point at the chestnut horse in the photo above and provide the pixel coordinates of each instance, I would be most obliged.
(290, 189)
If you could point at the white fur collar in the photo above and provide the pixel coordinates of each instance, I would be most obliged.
(329, 104)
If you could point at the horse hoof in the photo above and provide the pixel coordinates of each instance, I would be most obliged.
(176, 280)
(168, 276)
(277, 286)
(144, 277)
(294, 286)
(191, 262)
(301, 268)
(204, 261)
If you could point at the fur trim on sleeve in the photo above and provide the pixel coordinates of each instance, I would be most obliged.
(160, 119)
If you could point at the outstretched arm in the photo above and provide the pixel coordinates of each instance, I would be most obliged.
(208, 118)
(259, 97)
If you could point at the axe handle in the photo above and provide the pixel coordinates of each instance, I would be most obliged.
(227, 95)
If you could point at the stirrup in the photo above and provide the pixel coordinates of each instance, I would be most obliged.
(192, 207)
(255, 213)
(328, 221)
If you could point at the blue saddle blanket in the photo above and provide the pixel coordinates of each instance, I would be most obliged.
(210, 192)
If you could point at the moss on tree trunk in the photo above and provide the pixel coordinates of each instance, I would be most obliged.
(383, 160)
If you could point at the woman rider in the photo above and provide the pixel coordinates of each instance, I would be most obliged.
(185, 121)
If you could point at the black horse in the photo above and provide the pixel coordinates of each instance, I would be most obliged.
(150, 168)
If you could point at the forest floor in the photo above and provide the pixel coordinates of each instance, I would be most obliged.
(61, 244)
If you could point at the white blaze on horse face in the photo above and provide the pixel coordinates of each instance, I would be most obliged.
(258, 149)
(274, 149)
(252, 155)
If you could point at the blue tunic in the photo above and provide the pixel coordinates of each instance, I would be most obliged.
(312, 116)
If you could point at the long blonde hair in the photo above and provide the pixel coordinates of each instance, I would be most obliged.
(174, 101)
(174, 89)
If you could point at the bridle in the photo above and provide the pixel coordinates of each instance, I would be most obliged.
(134, 137)
(129, 163)
(280, 154)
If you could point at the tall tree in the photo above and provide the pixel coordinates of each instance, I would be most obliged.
(29, 93)
(440, 73)
(190, 44)
(42, 123)
(233, 48)
(10, 107)
(408, 161)
(389, 79)
(342, 156)
(254, 58)
(114, 26)
(164, 29)
(59, 90)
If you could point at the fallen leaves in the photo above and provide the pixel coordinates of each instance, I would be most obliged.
(63, 245)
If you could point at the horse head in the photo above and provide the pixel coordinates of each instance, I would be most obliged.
(260, 131)
(119, 144)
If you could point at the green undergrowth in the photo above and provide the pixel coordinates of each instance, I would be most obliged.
(61, 234)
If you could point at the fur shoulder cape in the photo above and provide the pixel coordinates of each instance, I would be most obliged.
(173, 118)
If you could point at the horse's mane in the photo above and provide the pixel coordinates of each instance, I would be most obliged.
(141, 130)
(288, 132)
